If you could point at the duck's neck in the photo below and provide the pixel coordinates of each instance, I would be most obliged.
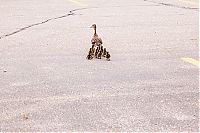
(95, 31)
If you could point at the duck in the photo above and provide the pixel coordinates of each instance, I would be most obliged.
(104, 52)
(89, 56)
(93, 49)
(107, 56)
(90, 51)
(96, 52)
(102, 48)
(96, 40)
(99, 55)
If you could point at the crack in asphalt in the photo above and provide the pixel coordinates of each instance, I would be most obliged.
(71, 13)
(172, 5)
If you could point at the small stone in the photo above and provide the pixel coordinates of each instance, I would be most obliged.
(25, 117)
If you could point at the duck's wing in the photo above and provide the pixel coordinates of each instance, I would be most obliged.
(96, 40)
(93, 41)
(100, 40)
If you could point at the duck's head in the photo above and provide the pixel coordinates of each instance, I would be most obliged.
(94, 26)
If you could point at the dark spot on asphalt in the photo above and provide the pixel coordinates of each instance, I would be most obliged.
(25, 117)
(193, 39)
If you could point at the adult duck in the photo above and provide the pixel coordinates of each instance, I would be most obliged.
(96, 40)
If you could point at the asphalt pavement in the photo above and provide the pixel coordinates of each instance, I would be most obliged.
(151, 83)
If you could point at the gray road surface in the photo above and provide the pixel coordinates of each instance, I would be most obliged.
(151, 83)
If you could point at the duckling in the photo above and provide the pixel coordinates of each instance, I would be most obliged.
(104, 52)
(102, 49)
(89, 56)
(96, 40)
(96, 52)
(97, 48)
(107, 56)
(93, 50)
(99, 54)
(90, 51)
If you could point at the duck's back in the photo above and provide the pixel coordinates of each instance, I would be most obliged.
(96, 40)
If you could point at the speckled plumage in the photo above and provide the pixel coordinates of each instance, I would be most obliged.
(96, 40)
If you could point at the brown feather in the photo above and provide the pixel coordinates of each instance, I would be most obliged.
(97, 41)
